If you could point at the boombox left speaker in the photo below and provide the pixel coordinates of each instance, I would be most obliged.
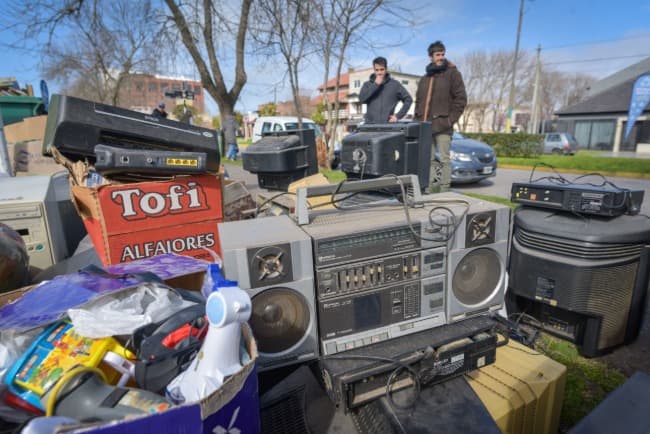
(477, 259)
(271, 258)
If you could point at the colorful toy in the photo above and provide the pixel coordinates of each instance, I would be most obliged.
(58, 350)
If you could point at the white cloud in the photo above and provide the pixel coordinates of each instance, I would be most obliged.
(600, 59)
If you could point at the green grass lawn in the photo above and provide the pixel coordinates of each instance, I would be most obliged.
(586, 162)
(588, 380)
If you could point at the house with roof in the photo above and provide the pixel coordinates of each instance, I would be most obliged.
(599, 121)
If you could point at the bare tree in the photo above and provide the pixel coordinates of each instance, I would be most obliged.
(204, 27)
(342, 24)
(91, 46)
(578, 85)
(284, 26)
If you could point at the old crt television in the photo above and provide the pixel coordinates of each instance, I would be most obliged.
(74, 126)
(583, 279)
(282, 157)
(398, 148)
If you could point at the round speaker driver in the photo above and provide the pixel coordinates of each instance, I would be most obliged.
(279, 320)
(476, 276)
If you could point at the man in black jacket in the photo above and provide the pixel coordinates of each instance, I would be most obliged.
(381, 94)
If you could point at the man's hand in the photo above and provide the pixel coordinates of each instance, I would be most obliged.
(379, 79)
(392, 118)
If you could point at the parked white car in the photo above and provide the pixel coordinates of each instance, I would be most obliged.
(265, 124)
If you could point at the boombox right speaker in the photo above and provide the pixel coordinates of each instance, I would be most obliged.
(580, 278)
(476, 273)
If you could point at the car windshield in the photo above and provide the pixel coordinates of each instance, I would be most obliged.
(457, 136)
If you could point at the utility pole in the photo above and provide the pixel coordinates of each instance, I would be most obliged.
(511, 101)
(534, 118)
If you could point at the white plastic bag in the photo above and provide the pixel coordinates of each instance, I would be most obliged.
(12, 346)
(123, 313)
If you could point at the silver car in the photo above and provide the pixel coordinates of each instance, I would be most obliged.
(471, 160)
(560, 143)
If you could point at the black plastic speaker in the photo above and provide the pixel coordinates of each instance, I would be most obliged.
(282, 157)
(582, 279)
(397, 148)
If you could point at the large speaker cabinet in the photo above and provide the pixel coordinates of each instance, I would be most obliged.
(477, 259)
(582, 278)
(271, 258)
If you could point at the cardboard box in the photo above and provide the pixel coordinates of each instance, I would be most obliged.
(134, 221)
(232, 408)
(27, 159)
(32, 128)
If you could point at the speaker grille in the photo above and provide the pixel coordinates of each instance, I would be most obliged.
(605, 291)
(477, 276)
(280, 319)
(575, 248)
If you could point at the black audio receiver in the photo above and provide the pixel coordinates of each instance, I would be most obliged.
(436, 354)
(605, 200)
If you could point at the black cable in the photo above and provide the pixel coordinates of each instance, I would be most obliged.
(400, 366)
(556, 180)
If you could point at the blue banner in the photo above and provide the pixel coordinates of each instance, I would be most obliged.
(638, 102)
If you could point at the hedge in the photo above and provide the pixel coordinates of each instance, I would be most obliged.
(512, 145)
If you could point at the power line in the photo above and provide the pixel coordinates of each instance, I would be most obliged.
(597, 60)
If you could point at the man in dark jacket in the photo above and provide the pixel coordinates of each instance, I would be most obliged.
(440, 99)
(381, 94)
(159, 111)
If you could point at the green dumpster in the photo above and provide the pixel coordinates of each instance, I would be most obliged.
(15, 108)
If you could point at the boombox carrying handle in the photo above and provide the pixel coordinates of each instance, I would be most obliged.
(302, 206)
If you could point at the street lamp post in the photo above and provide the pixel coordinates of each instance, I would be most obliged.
(511, 100)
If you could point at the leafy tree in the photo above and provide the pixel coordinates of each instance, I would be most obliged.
(318, 115)
(179, 110)
(269, 109)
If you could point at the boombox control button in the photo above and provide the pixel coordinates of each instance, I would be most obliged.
(340, 347)
(358, 343)
(367, 341)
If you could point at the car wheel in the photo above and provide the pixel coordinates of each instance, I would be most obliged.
(557, 151)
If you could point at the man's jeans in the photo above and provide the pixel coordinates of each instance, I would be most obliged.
(232, 151)
(442, 142)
